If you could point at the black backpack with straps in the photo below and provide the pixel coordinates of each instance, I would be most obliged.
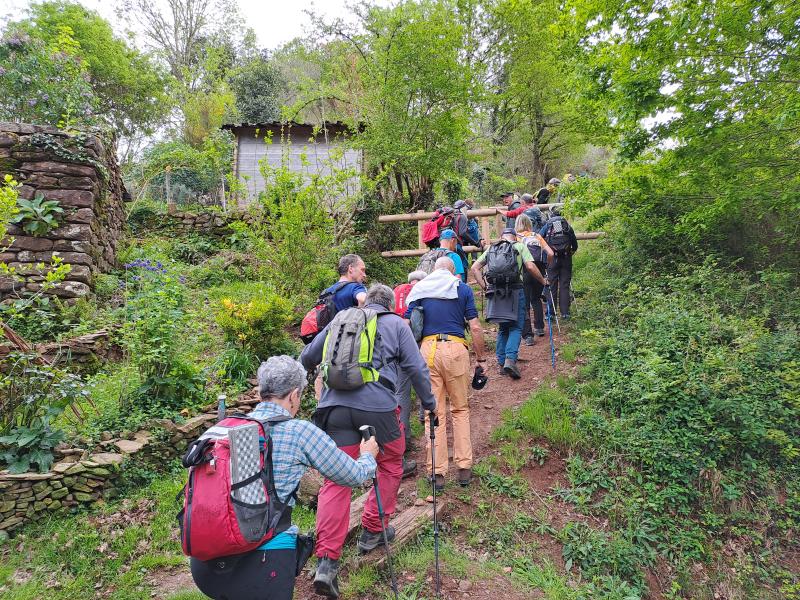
(502, 266)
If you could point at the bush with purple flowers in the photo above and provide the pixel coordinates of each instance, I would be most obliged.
(156, 318)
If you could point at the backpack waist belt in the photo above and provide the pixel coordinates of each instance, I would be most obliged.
(442, 337)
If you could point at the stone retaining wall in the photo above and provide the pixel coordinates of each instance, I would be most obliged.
(81, 350)
(81, 477)
(80, 172)
(210, 224)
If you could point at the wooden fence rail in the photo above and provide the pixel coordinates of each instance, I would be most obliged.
(491, 224)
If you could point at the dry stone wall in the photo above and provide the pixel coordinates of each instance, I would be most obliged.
(210, 224)
(79, 171)
(82, 476)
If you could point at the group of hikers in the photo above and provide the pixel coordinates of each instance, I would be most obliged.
(365, 349)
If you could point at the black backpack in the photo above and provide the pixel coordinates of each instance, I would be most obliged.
(536, 250)
(558, 238)
(502, 267)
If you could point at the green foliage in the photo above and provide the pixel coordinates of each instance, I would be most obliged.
(129, 89)
(546, 414)
(32, 395)
(152, 335)
(258, 325)
(38, 216)
(699, 101)
(38, 318)
(8, 203)
(44, 82)
(257, 85)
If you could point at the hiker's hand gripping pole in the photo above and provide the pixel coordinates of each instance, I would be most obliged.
(368, 432)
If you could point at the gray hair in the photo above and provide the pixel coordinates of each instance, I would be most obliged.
(380, 294)
(416, 276)
(445, 262)
(279, 376)
(523, 223)
(347, 261)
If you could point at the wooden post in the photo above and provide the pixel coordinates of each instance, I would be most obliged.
(485, 233)
(419, 232)
(498, 224)
(172, 208)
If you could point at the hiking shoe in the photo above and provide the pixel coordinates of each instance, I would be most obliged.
(510, 367)
(438, 482)
(538, 332)
(529, 340)
(464, 477)
(370, 540)
(326, 581)
(409, 467)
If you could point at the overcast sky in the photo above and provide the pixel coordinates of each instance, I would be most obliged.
(275, 21)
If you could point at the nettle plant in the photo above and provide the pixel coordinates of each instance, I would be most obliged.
(38, 216)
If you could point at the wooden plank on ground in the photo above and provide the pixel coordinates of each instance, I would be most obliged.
(407, 525)
(356, 508)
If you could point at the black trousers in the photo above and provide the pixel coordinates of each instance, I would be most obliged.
(257, 575)
(533, 299)
(559, 272)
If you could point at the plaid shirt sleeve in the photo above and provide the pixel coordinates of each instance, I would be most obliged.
(321, 453)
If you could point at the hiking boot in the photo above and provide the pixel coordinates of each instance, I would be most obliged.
(464, 477)
(370, 540)
(510, 367)
(529, 340)
(438, 482)
(326, 581)
(409, 467)
(539, 332)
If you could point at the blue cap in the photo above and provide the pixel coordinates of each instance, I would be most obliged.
(509, 231)
(447, 234)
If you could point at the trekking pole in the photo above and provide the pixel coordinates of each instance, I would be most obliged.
(433, 485)
(552, 345)
(368, 431)
(553, 310)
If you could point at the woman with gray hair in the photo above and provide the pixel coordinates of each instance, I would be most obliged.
(269, 571)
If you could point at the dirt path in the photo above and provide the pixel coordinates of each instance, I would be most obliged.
(486, 409)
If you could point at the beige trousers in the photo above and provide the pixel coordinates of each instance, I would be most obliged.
(449, 367)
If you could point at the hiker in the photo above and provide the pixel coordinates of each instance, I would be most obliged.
(467, 231)
(401, 291)
(349, 290)
(447, 303)
(560, 236)
(512, 203)
(297, 445)
(449, 242)
(544, 194)
(542, 254)
(504, 262)
(356, 395)
(404, 379)
(528, 207)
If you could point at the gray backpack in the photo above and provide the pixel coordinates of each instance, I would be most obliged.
(349, 348)
(429, 259)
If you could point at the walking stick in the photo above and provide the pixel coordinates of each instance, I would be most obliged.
(552, 345)
(433, 485)
(368, 431)
(552, 308)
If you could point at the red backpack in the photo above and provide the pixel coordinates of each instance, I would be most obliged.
(230, 505)
(323, 312)
(442, 219)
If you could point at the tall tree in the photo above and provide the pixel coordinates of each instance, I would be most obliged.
(703, 100)
(402, 75)
(258, 86)
(130, 90)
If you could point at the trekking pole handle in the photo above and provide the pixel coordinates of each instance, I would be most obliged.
(434, 424)
(367, 431)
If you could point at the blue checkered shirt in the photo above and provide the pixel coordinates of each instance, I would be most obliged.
(298, 445)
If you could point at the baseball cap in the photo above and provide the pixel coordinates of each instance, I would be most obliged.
(459, 204)
(506, 194)
(447, 234)
(509, 231)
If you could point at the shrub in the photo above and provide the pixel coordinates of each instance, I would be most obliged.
(38, 216)
(257, 325)
(152, 336)
(38, 318)
(32, 395)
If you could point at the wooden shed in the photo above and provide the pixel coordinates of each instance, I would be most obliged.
(306, 148)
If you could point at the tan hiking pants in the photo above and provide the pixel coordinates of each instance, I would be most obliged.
(449, 367)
